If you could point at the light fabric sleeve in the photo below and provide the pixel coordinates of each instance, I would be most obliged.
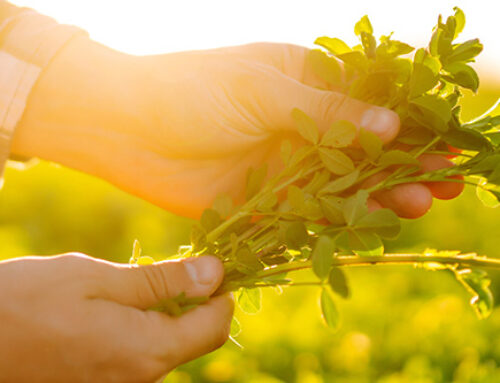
(28, 42)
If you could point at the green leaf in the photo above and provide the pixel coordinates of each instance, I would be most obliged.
(234, 240)
(248, 263)
(434, 43)
(355, 207)
(319, 180)
(312, 209)
(494, 176)
(322, 256)
(329, 310)
(340, 134)
(365, 243)
(363, 25)
(296, 235)
(296, 198)
(371, 143)
(459, 20)
(334, 45)
(210, 219)
(250, 300)
(465, 52)
(431, 111)
(336, 161)
(450, 29)
(223, 205)
(393, 48)
(198, 238)
(136, 252)
(332, 209)
(338, 282)
(341, 183)
(477, 282)
(383, 222)
(356, 59)
(306, 126)
(235, 327)
(484, 124)
(369, 44)
(416, 137)
(425, 74)
(255, 179)
(325, 67)
(299, 155)
(487, 197)
(286, 151)
(267, 202)
(463, 75)
(494, 137)
(397, 157)
(486, 163)
(463, 138)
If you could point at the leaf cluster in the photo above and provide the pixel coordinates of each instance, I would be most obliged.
(316, 210)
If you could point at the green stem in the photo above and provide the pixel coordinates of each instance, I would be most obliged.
(262, 241)
(249, 206)
(462, 260)
(434, 141)
(445, 153)
(423, 178)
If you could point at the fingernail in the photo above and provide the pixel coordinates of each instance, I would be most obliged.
(380, 121)
(203, 270)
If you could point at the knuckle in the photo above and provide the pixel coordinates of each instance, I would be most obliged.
(73, 256)
(156, 284)
(329, 104)
(74, 259)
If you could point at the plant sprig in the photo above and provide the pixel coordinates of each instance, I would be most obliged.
(324, 223)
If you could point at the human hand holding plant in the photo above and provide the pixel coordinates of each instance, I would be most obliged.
(71, 318)
(179, 129)
(327, 219)
(183, 128)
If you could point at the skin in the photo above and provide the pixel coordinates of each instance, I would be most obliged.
(176, 130)
(72, 318)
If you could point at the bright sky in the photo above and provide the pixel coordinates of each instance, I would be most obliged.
(161, 26)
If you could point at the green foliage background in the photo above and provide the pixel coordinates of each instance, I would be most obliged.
(401, 325)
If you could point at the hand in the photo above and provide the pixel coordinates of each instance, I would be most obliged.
(71, 318)
(178, 129)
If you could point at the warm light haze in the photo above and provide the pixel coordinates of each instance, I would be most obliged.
(160, 26)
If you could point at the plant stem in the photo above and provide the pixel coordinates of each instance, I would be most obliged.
(462, 260)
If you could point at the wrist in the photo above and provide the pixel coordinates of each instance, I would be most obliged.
(77, 105)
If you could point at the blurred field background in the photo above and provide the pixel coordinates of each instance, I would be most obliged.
(401, 324)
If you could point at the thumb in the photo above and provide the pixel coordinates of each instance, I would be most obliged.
(144, 286)
(325, 107)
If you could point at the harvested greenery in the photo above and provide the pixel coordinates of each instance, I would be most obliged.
(324, 223)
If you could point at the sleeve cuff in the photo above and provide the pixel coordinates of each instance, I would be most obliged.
(28, 44)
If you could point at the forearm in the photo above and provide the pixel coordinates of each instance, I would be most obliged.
(86, 92)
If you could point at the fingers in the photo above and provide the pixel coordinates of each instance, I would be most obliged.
(441, 190)
(196, 332)
(290, 59)
(413, 200)
(148, 344)
(410, 200)
(278, 95)
(373, 205)
(144, 286)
